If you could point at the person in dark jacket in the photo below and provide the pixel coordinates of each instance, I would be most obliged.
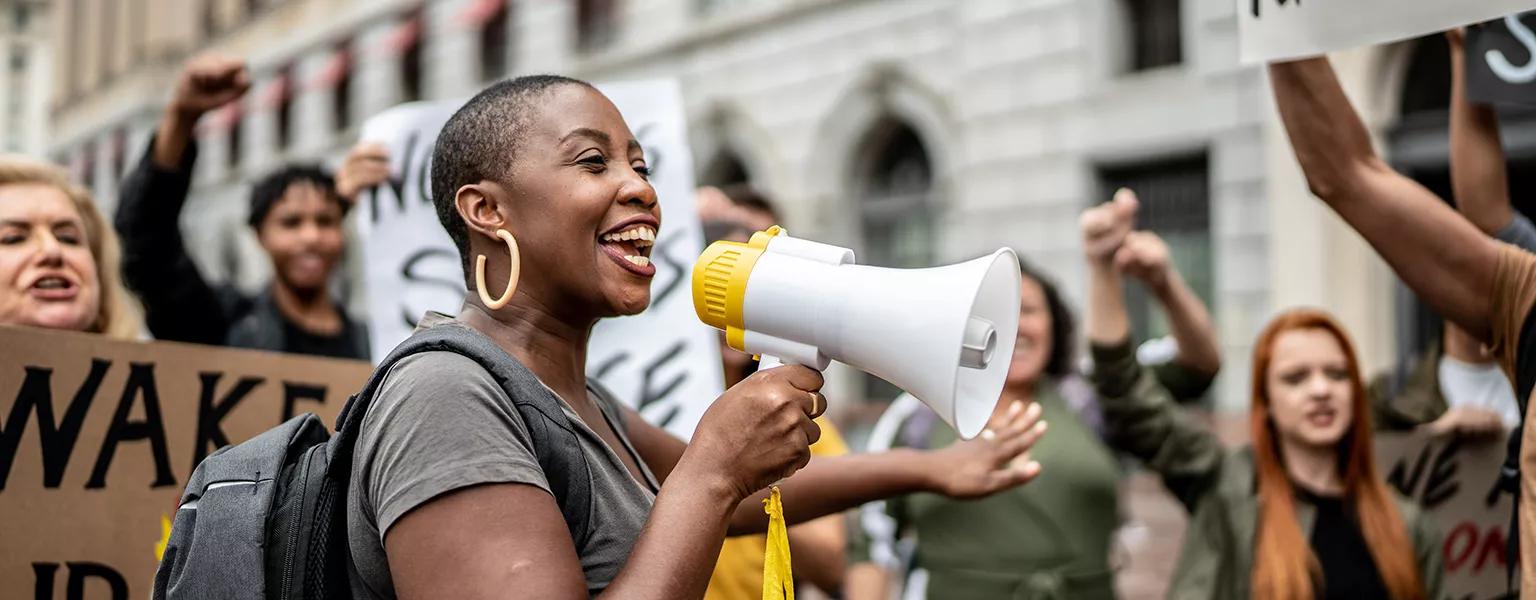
(297, 215)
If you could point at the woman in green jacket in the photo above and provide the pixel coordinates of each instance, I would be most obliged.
(1302, 513)
(1054, 539)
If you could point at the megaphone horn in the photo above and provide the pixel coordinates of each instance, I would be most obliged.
(943, 334)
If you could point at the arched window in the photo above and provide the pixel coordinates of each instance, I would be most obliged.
(725, 169)
(893, 186)
(495, 43)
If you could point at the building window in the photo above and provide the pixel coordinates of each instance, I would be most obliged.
(1176, 205)
(210, 18)
(596, 23)
(895, 204)
(725, 169)
(338, 75)
(119, 153)
(22, 15)
(18, 60)
(281, 101)
(494, 44)
(87, 173)
(894, 191)
(407, 41)
(108, 39)
(1154, 38)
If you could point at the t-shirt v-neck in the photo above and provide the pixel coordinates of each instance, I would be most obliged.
(647, 479)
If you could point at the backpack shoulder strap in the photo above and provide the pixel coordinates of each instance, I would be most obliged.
(554, 438)
(1509, 474)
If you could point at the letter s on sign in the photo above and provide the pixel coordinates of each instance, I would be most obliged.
(1501, 65)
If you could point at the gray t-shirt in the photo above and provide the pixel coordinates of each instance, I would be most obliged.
(1519, 232)
(440, 423)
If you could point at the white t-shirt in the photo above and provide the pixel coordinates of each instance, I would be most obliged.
(1481, 386)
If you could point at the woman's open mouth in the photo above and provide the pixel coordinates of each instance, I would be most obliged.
(53, 287)
(1321, 417)
(630, 247)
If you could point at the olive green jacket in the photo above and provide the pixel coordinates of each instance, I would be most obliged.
(1217, 486)
(1411, 402)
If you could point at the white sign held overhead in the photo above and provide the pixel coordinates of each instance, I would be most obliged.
(662, 362)
(1273, 30)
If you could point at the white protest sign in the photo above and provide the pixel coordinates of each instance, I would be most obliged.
(663, 362)
(1284, 29)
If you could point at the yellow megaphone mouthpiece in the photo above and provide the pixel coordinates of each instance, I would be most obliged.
(720, 283)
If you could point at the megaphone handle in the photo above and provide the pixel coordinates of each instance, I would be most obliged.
(765, 362)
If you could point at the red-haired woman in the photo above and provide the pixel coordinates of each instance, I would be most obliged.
(1303, 512)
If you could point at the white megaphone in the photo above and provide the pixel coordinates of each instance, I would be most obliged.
(944, 334)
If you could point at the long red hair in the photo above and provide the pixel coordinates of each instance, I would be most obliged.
(1284, 566)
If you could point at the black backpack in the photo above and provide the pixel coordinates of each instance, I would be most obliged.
(267, 518)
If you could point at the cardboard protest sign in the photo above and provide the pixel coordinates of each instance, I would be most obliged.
(1501, 61)
(98, 438)
(1271, 30)
(1455, 480)
(663, 362)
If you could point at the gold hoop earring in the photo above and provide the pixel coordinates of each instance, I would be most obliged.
(516, 271)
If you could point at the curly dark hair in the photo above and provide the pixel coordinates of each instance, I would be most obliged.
(1063, 324)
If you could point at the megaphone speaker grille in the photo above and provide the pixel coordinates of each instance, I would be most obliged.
(717, 278)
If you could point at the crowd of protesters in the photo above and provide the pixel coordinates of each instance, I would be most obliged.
(534, 177)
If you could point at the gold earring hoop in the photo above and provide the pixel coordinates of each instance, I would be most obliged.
(516, 271)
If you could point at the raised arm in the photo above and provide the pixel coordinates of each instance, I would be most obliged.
(179, 304)
(1443, 258)
(1478, 178)
(1144, 257)
(1139, 413)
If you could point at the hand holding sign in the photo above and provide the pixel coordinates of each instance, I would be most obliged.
(366, 166)
(1468, 421)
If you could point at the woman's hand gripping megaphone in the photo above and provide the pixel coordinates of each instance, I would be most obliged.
(760, 431)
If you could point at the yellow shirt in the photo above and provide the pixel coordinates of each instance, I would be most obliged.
(739, 571)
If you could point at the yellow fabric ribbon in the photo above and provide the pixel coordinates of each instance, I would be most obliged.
(778, 581)
(165, 537)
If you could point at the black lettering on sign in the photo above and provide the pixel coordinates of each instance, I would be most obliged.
(652, 392)
(79, 572)
(653, 154)
(396, 184)
(609, 365)
(141, 384)
(293, 392)
(679, 269)
(1256, 4)
(58, 438)
(1433, 470)
(210, 412)
(413, 271)
(42, 574)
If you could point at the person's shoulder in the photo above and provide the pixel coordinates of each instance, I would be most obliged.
(1237, 477)
(439, 368)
